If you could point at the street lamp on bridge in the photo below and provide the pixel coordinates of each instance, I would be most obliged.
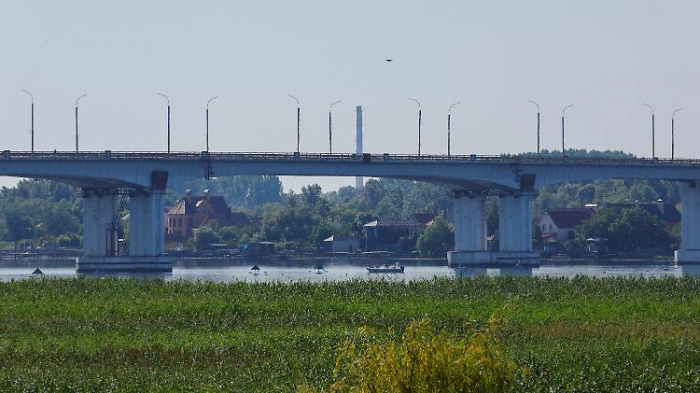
(166, 97)
(210, 100)
(298, 120)
(330, 127)
(419, 121)
(76, 121)
(32, 129)
(673, 132)
(449, 125)
(538, 125)
(563, 111)
(653, 146)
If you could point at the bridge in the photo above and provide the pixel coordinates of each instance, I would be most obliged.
(105, 175)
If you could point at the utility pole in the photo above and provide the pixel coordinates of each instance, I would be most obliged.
(563, 111)
(210, 100)
(673, 132)
(166, 97)
(76, 122)
(419, 120)
(330, 127)
(653, 134)
(538, 125)
(298, 122)
(449, 125)
(32, 129)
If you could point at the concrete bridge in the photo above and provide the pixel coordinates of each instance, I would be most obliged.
(514, 179)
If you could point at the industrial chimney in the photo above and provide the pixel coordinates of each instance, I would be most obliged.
(359, 181)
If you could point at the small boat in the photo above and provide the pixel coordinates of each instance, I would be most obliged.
(395, 268)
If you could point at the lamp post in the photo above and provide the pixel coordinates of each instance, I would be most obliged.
(330, 127)
(673, 132)
(563, 111)
(210, 100)
(32, 129)
(449, 125)
(298, 120)
(538, 125)
(653, 144)
(76, 121)
(419, 121)
(166, 97)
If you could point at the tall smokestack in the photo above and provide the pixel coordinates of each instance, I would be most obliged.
(359, 181)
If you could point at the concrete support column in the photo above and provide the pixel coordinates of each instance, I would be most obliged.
(515, 223)
(147, 229)
(690, 223)
(98, 212)
(470, 222)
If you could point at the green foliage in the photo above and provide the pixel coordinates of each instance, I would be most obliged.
(436, 239)
(425, 361)
(578, 334)
(69, 240)
(205, 237)
(246, 192)
(39, 209)
(625, 229)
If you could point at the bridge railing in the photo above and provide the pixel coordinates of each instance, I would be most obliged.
(336, 157)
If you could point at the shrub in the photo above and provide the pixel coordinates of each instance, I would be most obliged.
(425, 361)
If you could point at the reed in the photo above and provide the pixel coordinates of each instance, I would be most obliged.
(118, 334)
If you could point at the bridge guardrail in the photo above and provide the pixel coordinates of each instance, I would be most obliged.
(343, 157)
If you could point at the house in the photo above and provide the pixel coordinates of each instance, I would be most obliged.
(335, 243)
(392, 235)
(192, 212)
(560, 224)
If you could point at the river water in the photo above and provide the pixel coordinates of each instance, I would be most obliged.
(339, 270)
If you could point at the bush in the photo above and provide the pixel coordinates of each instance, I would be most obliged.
(437, 238)
(204, 238)
(425, 361)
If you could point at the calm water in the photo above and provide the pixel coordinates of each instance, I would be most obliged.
(335, 270)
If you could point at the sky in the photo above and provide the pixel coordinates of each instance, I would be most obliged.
(605, 57)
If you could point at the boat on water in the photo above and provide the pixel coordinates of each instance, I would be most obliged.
(395, 268)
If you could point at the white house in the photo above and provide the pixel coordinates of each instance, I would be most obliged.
(341, 244)
(561, 223)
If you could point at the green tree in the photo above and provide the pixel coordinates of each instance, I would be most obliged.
(625, 229)
(436, 239)
(204, 238)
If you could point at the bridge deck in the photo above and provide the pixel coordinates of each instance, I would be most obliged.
(337, 157)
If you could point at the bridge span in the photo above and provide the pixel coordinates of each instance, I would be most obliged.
(514, 179)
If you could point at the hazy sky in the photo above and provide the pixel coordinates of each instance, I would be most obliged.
(606, 57)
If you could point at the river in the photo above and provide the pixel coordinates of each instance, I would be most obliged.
(340, 270)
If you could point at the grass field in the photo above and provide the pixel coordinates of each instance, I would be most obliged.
(618, 334)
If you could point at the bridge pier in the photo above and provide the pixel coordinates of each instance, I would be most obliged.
(470, 231)
(147, 225)
(515, 232)
(99, 207)
(690, 224)
(146, 251)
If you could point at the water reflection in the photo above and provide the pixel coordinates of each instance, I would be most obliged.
(515, 271)
(345, 270)
(470, 271)
(690, 270)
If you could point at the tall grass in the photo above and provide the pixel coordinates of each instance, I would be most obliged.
(573, 334)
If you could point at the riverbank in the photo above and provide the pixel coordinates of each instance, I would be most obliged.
(582, 333)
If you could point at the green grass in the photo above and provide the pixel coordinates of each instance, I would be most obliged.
(573, 334)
